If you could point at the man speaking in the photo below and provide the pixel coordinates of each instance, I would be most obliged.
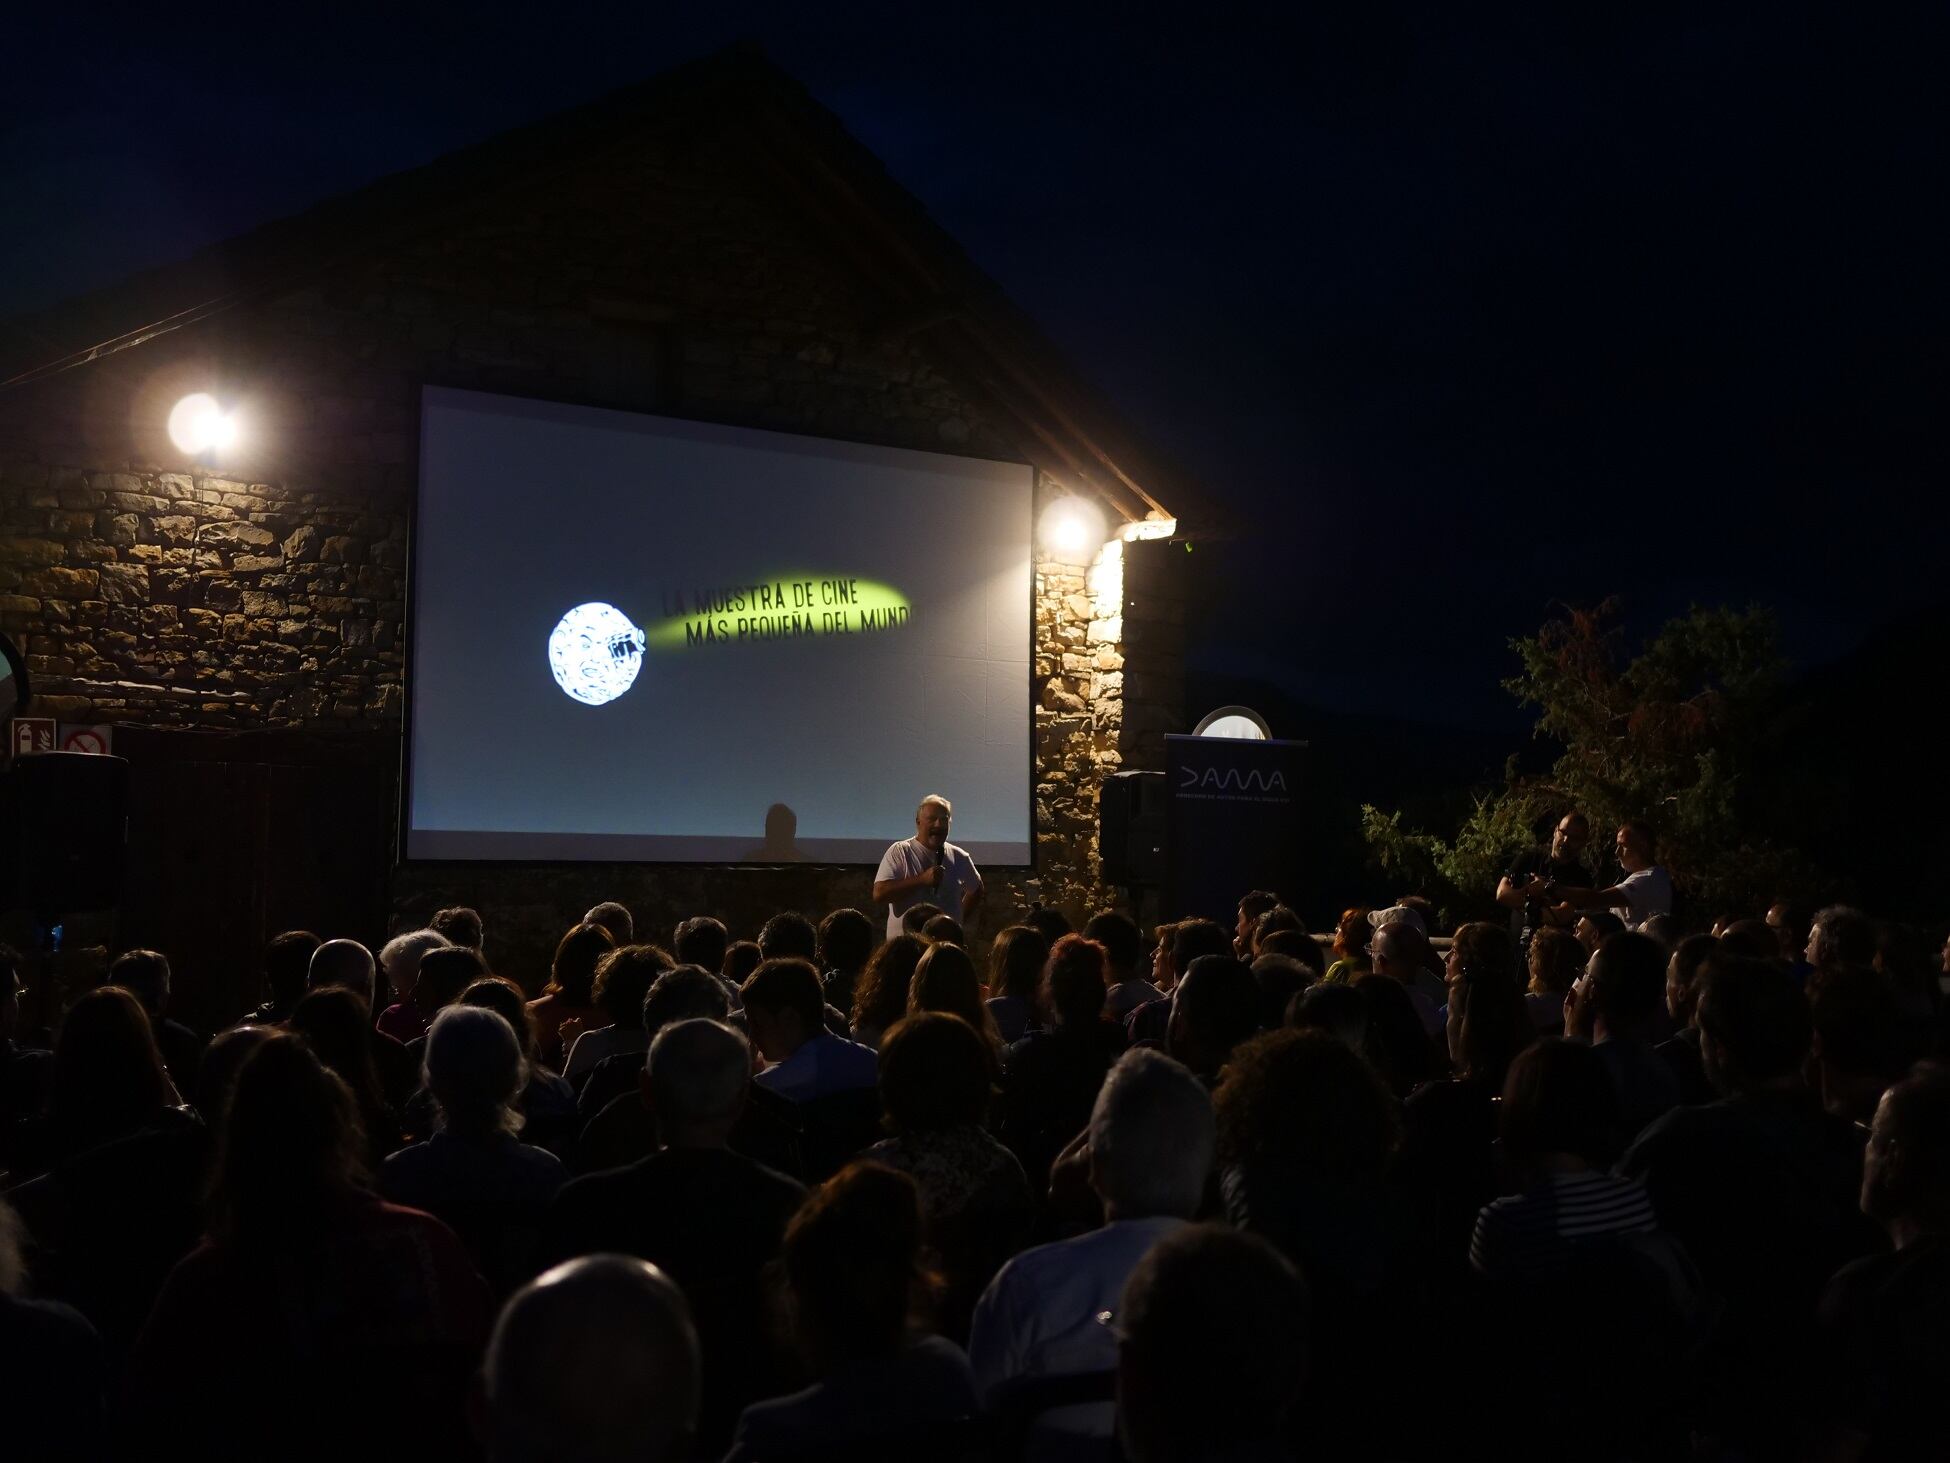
(927, 869)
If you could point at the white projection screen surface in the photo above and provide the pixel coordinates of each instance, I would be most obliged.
(638, 638)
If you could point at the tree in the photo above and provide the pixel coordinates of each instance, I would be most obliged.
(1674, 734)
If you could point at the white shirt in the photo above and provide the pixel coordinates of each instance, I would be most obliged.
(910, 857)
(1648, 892)
(605, 1041)
(1038, 1318)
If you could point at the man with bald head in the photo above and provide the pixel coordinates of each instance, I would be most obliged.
(594, 1362)
(927, 868)
(711, 1218)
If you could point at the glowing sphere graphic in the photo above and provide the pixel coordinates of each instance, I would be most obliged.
(595, 653)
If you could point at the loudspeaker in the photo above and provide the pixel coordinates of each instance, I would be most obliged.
(1131, 829)
(67, 831)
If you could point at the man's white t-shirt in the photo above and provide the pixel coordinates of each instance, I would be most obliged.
(1648, 892)
(910, 857)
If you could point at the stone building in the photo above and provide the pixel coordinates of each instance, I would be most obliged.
(710, 245)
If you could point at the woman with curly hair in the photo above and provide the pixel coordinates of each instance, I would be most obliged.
(1555, 962)
(880, 999)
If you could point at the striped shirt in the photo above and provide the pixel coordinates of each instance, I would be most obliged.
(1524, 1233)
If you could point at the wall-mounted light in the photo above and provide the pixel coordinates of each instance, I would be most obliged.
(197, 424)
(1148, 528)
(1072, 529)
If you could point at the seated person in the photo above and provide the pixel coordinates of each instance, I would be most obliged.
(1212, 1350)
(474, 1173)
(595, 1361)
(1150, 1151)
(1886, 1319)
(1015, 971)
(712, 1219)
(853, 1273)
(399, 962)
(1123, 952)
(570, 994)
(623, 979)
(785, 1011)
(937, 1083)
(287, 957)
(1050, 1078)
(146, 973)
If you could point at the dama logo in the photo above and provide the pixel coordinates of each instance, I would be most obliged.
(1230, 779)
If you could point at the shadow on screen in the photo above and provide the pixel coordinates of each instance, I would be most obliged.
(781, 835)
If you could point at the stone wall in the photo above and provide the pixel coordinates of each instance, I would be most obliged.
(268, 592)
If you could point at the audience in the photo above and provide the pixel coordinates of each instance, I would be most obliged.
(937, 1084)
(846, 942)
(945, 980)
(54, 1363)
(570, 994)
(710, 1218)
(615, 919)
(1885, 1318)
(1016, 961)
(943, 929)
(623, 979)
(458, 925)
(1123, 950)
(1150, 1146)
(594, 1362)
(1554, 962)
(547, 1103)
(490, 1188)
(1251, 906)
(1350, 946)
(145, 974)
(857, 1291)
(337, 1026)
(1761, 1188)
(1189, 939)
(1051, 1076)
(399, 962)
(287, 959)
(1212, 1351)
(786, 1015)
(311, 1304)
(1619, 1009)
(1684, 970)
(1658, 1236)
(704, 941)
(880, 999)
(1214, 1007)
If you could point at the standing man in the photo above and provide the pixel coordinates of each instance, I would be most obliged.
(1645, 890)
(927, 867)
(1524, 887)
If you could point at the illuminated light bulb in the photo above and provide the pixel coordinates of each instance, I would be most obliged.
(595, 652)
(1072, 528)
(197, 423)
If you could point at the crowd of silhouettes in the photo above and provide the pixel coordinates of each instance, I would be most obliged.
(1582, 1183)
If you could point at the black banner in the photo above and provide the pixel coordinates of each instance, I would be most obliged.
(1234, 820)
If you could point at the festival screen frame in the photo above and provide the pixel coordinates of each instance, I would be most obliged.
(646, 639)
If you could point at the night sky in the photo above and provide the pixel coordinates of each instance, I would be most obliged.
(1460, 317)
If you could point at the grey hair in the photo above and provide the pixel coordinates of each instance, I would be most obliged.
(1152, 1136)
(400, 957)
(341, 962)
(474, 1069)
(935, 797)
(698, 1070)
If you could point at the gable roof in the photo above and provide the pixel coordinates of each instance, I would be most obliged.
(927, 286)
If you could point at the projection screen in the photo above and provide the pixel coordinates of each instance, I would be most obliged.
(640, 638)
